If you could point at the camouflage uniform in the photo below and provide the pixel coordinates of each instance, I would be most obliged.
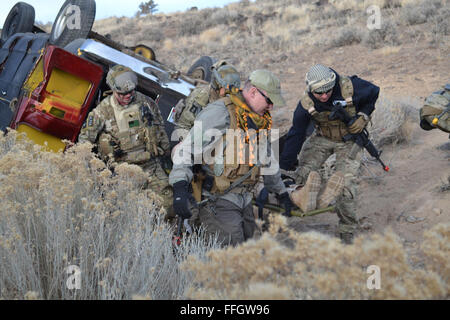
(228, 214)
(316, 150)
(327, 139)
(134, 134)
(187, 110)
(224, 75)
(435, 112)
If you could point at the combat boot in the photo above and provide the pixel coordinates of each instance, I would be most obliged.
(306, 197)
(332, 190)
(346, 237)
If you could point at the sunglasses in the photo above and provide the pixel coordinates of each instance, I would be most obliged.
(265, 97)
(125, 93)
(321, 93)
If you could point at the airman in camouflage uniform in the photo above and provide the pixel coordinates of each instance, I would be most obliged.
(325, 86)
(229, 212)
(223, 77)
(435, 112)
(127, 126)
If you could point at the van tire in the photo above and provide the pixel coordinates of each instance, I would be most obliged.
(201, 69)
(79, 27)
(20, 19)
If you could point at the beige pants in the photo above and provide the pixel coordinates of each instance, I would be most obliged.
(315, 151)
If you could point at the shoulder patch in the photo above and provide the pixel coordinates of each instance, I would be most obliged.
(346, 87)
(199, 96)
(307, 103)
(90, 121)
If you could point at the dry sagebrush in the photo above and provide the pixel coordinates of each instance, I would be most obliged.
(289, 265)
(393, 120)
(68, 209)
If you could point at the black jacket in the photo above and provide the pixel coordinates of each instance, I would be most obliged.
(365, 94)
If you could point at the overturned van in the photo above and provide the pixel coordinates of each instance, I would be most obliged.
(49, 82)
(56, 97)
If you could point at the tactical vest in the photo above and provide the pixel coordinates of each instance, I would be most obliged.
(231, 170)
(127, 131)
(436, 107)
(186, 110)
(331, 129)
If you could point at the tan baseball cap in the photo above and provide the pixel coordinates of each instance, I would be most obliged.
(267, 81)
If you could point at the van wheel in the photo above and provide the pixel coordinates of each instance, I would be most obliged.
(145, 51)
(201, 69)
(20, 19)
(74, 21)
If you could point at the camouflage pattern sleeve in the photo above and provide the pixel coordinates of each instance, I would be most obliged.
(213, 117)
(94, 123)
(194, 103)
(163, 138)
(435, 111)
(161, 135)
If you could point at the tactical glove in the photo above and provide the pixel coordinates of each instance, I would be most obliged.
(261, 201)
(166, 164)
(287, 204)
(118, 153)
(181, 198)
(288, 181)
(359, 124)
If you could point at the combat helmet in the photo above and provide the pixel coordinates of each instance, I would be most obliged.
(224, 75)
(121, 79)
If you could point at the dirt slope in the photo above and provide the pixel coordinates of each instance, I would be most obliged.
(407, 199)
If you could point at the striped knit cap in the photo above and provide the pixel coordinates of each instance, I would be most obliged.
(320, 79)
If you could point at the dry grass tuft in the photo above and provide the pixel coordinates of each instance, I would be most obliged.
(393, 121)
(60, 210)
(314, 266)
(385, 51)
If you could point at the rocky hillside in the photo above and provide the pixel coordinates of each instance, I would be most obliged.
(407, 55)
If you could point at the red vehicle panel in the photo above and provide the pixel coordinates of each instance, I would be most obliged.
(56, 100)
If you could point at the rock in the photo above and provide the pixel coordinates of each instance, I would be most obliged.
(444, 147)
(437, 210)
(412, 219)
(365, 223)
(282, 58)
